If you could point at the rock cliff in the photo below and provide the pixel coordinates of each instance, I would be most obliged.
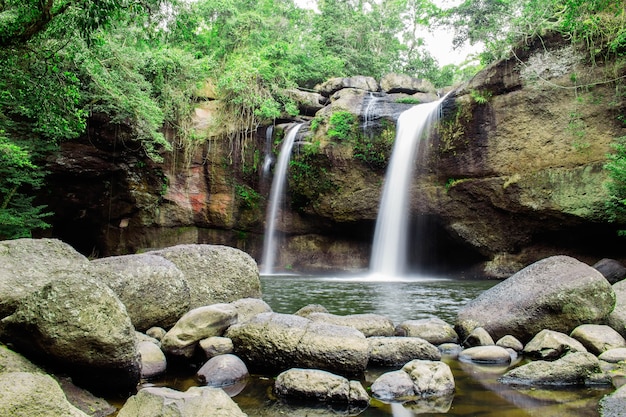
(514, 174)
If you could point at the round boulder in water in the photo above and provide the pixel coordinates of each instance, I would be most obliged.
(434, 330)
(485, 355)
(222, 370)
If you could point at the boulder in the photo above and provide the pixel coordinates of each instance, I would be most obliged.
(214, 273)
(24, 394)
(275, 342)
(598, 338)
(310, 309)
(478, 337)
(216, 345)
(26, 265)
(320, 386)
(222, 370)
(556, 293)
(402, 83)
(434, 330)
(157, 333)
(396, 351)
(613, 355)
(80, 324)
(198, 324)
(153, 289)
(195, 402)
(510, 342)
(308, 102)
(250, 307)
(617, 318)
(572, 369)
(549, 345)
(368, 324)
(611, 269)
(153, 361)
(331, 86)
(11, 361)
(416, 379)
(485, 355)
(613, 405)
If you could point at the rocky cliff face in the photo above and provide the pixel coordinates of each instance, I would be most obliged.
(514, 174)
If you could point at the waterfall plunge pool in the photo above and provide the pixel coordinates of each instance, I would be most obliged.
(478, 393)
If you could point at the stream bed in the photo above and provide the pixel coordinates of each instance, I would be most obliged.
(478, 393)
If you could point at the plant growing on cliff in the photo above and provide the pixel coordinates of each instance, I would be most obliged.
(616, 185)
(342, 125)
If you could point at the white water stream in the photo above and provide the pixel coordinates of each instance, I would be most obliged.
(389, 250)
(276, 197)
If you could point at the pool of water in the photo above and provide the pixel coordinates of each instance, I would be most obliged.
(478, 393)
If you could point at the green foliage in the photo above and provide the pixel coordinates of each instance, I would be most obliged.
(18, 176)
(247, 196)
(308, 177)
(408, 100)
(342, 125)
(375, 149)
(480, 97)
(616, 185)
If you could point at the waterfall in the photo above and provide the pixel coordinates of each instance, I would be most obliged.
(369, 114)
(268, 158)
(276, 198)
(389, 251)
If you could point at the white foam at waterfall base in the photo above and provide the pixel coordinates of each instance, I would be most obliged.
(276, 198)
(389, 249)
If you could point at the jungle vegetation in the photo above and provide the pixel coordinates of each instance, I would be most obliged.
(138, 63)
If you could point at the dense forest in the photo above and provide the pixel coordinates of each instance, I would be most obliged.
(139, 64)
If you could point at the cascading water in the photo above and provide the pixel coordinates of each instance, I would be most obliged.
(389, 250)
(369, 113)
(268, 158)
(276, 198)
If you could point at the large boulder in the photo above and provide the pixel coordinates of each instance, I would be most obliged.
(199, 323)
(368, 324)
(550, 345)
(80, 324)
(319, 386)
(402, 83)
(617, 318)
(195, 402)
(215, 274)
(153, 289)
(572, 369)
(416, 379)
(331, 86)
(26, 265)
(24, 394)
(556, 293)
(275, 342)
(598, 338)
(396, 351)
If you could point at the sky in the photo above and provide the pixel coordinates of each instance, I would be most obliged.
(437, 42)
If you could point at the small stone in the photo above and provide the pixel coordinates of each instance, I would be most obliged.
(510, 342)
(598, 338)
(153, 361)
(478, 337)
(222, 370)
(216, 345)
(485, 355)
(613, 355)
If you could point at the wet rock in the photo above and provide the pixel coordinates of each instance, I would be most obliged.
(434, 330)
(416, 379)
(250, 307)
(485, 355)
(368, 324)
(216, 345)
(24, 394)
(80, 324)
(613, 405)
(215, 274)
(478, 337)
(611, 269)
(598, 338)
(153, 361)
(223, 370)
(198, 324)
(450, 349)
(274, 342)
(396, 351)
(319, 386)
(557, 293)
(548, 344)
(195, 402)
(153, 289)
(26, 265)
(617, 318)
(510, 342)
(572, 369)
